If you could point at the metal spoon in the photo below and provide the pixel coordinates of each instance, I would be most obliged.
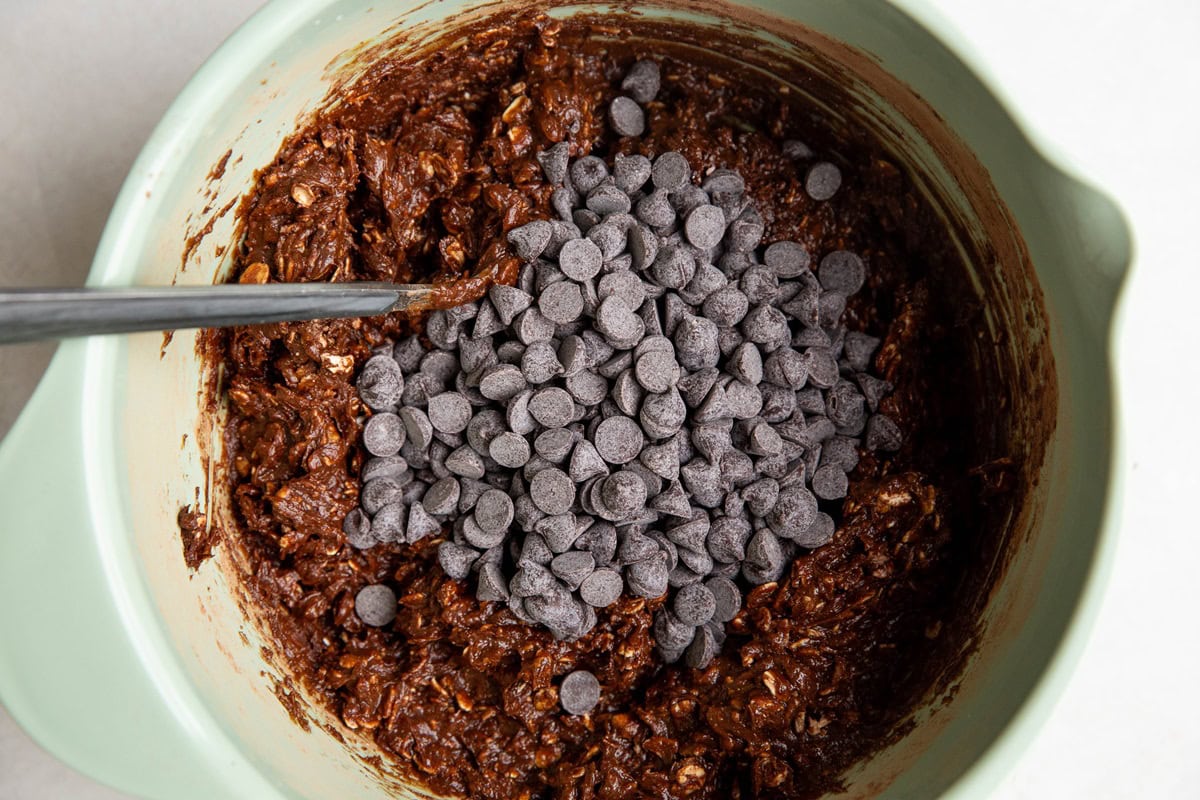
(28, 315)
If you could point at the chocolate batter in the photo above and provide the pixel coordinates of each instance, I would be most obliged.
(417, 175)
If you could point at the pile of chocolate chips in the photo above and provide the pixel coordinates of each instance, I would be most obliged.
(658, 404)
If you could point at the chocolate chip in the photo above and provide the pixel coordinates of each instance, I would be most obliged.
(670, 171)
(746, 364)
(532, 580)
(670, 632)
(702, 649)
(616, 365)
(647, 578)
(551, 407)
(642, 81)
(694, 604)
(579, 693)
(759, 284)
(713, 407)
(466, 462)
(844, 404)
(470, 531)
(822, 367)
(830, 307)
(882, 434)
(534, 551)
(695, 386)
(696, 345)
(608, 201)
(573, 567)
(492, 586)
(727, 537)
(698, 561)
(598, 350)
(630, 172)
(707, 280)
(580, 259)
(822, 180)
(475, 355)
(626, 117)
(627, 393)
(552, 491)
(723, 181)
(727, 597)
(449, 412)
(530, 239)
(794, 511)
(842, 271)
(873, 389)
(494, 511)
(554, 162)
(559, 612)
(624, 493)
(829, 482)
(442, 497)
(673, 267)
(726, 307)
(456, 560)
(786, 367)
(561, 302)
(765, 559)
(420, 524)
(586, 462)
(600, 539)
(375, 605)
(603, 587)
(502, 382)
(704, 226)
(795, 149)
(378, 493)
(786, 259)
(617, 321)
(440, 332)
(662, 460)
(672, 501)
(384, 434)
(764, 441)
(563, 200)
(388, 523)
(657, 371)
(554, 444)
(587, 388)
(618, 440)
(585, 219)
(743, 235)
(766, 325)
(742, 401)
(381, 383)
(539, 363)
(643, 247)
(559, 531)
(819, 533)
(587, 173)
(687, 197)
(407, 353)
(779, 403)
(357, 527)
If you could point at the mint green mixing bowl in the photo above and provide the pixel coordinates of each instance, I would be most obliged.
(155, 680)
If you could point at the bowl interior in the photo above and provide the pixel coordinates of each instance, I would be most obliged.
(165, 442)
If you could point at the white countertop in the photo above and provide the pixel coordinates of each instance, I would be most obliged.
(1109, 87)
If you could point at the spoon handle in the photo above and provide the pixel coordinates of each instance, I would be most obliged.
(31, 314)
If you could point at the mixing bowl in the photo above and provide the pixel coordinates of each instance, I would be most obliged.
(157, 680)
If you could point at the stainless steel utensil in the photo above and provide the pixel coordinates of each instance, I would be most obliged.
(31, 314)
